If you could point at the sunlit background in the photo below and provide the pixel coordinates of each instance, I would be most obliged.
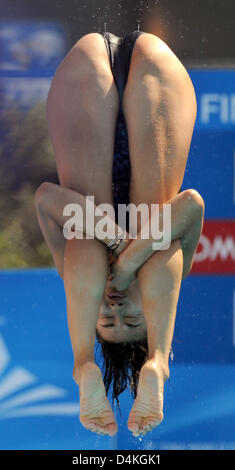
(39, 405)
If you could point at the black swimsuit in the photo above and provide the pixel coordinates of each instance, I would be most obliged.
(119, 52)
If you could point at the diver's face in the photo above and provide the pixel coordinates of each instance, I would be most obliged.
(121, 317)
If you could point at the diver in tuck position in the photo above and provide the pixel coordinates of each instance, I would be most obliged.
(121, 113)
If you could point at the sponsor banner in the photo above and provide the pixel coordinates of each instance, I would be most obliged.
(216, 249)
(215, 92)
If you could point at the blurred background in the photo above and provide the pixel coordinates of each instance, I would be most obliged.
(38, 399)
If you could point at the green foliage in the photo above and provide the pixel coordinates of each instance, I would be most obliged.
(26, 160)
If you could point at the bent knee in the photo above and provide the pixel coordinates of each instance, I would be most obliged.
(195, 200)
(84, 58)
(43, 193)
(153, 56)
(85, 64)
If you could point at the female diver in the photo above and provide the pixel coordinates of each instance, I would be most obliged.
(121, 113)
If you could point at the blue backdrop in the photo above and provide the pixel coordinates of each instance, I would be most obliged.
(39, 405)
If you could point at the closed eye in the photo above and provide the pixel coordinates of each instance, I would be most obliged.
(111, 325)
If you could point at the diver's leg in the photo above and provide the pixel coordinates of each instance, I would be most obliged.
(160, 109)
(85, 274)
(160, 274)
(82, 109)
(159, 105)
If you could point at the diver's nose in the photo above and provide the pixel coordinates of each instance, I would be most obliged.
(117, 303)
(116, 299)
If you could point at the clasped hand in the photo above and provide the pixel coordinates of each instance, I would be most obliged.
(119, 277)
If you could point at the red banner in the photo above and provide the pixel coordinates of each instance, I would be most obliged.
(216, 249)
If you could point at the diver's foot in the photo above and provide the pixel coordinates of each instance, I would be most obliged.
(147, 411)
(95, 411)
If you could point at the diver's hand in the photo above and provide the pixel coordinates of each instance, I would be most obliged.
(121, 247)
(120, 278)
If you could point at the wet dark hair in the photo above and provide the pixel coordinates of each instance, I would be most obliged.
(121, 365)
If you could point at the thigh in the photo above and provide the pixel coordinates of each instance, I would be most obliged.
(82, 109)
(159, 105)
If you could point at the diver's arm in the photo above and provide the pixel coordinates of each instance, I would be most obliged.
(187, 211)
(50, 201)
(189, 242)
